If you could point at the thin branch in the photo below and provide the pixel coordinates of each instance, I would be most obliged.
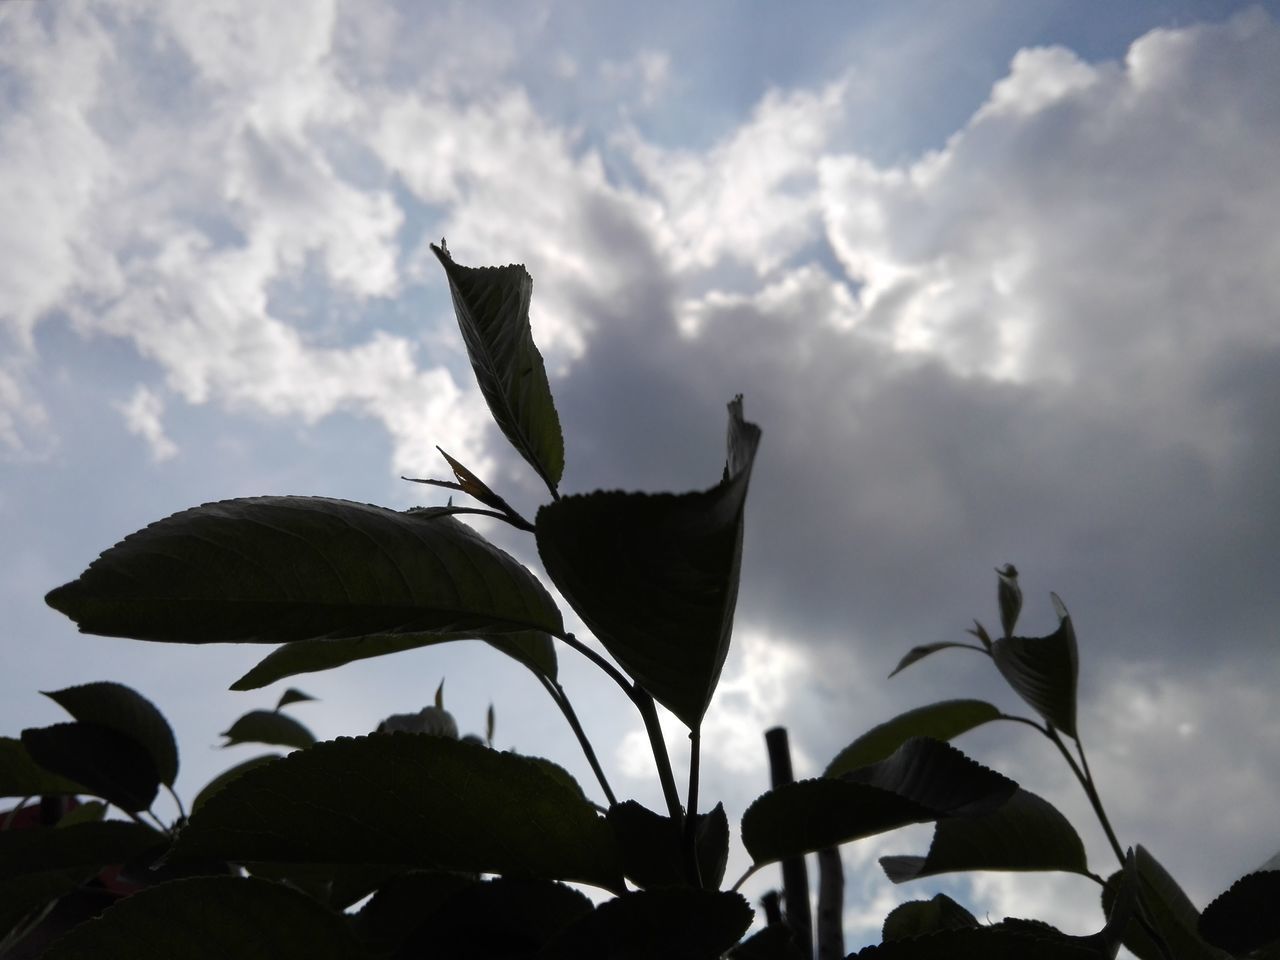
(182, 811)
(8, 817)
(691, 807)
(1091, 788)
(649, 713)
(614, 673)
(557, 693)
(745, 877)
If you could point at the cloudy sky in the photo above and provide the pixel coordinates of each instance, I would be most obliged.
(998, 281)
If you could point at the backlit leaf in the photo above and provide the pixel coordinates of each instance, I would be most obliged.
(20, 776)
(1043, 671)
(267, 726)
(128, 712)
(1245, 918)
(672, 923)
(222, 779)
(107, 763)
(941, 721)
(919, 653)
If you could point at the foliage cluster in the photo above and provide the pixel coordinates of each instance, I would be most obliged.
(451, 848)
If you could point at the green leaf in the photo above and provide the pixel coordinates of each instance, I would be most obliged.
(533, 648)
(986, 943)
(281, 569)
(269, 727)
(923, 780)
(919, 653)
(125, 711)
(20, 776)
(109, 764)
(212, 918)
(655, 577)
(941, 721)
(85, 847)
(91, 812)
(293, 695)
(1245, 918)
(1043, 671)
(672, 923)
(224, 778)
(1026, 833)
(651, 846)
(1168, 909)
(492, 306)
(411, 800)
(916, 918)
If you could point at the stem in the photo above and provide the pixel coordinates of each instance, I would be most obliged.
(614, 673)
(8, 818)
(691, 819)
(658, 745)
(562, 701)
(746, 876)
(182, 811)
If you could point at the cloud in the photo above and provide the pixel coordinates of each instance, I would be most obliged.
(142, 413)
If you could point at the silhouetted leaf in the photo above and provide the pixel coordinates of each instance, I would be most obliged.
(774, 942)
(1246, 917)
(20, 776)
(125, 711)
(402, 904)
(280, 569)
(919, 653)
(213, 918)
(269, 727)
(293, 695)
(651, 846)
(411, 800)
(985, 943)
(533, 648)
(222, 779)
(1169, 910)
(1025, 833)
(655, 576)
(107, 763)
(941, 721)
(923, 780)
(78, 847)
(1010, 597)
(919, 917)
(492, 306)
(672, 923)
(1043, 671)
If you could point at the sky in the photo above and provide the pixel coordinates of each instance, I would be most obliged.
(998, 281)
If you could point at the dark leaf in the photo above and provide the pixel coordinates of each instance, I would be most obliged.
(125, 711)
(986, 943)
(919, 653)
(269, 727)
(1010, 596)
(1245, 918)
(222, 779)
(673, 923)
(109, 764)
(919, 917)
(411, 800)
(924, 780)
(402, 904)
(492, 306)
(1025, 833)
(774, 942)
(1167, 908)
(20, 776)
(533, 648)
(941, 721)
(213, 918)
(655, 577)
(293, 695)
(280, 569)
(1043, 671)
(650, 846)
(76, 847)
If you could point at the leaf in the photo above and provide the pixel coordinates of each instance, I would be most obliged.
(1026, 833)
(226, 776)
(985, 943)
(1167, 908)
(280, 569)
(1043, 671)
(411, 800)
(923, 780)
(655, 576)
(76, 847)
(267, 726)
(293, 695)
(1010, 597)
(774, 942)
(533, 648)
(125, 711)
(919, 917)
(651, 846)
(212, 918)
(492, 306)
(20, 776)
(1244, 918)
(941, 721)
(109, 764)
(672, 923)
(91, 812)
(403, 904)
(919, 653)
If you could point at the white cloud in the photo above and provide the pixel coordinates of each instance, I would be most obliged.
(142, 416)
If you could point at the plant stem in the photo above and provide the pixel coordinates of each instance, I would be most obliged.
(562, 701)
(182, 811)
(691, 807)
(659, 747)
(613, 672)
